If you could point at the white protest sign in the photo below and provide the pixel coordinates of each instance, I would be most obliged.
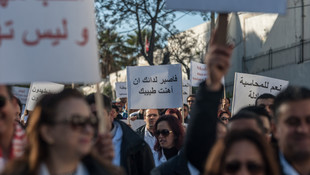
(21, 93)
(154, 86)
(186, 87)
(266, 6)
(248, 87)
(121, 89)
(38, 89)
(198, 73)
(48, 40)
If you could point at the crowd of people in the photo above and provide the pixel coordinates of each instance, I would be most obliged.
(61, 136)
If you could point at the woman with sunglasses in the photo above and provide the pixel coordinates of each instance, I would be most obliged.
(169, 134)
(60, 139)
(224, 116)
(242, 152)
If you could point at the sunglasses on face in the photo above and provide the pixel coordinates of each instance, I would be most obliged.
(164, 132)
(2, 101)
(224, 118)
(190, 101)
(235, 166)
(78, 121)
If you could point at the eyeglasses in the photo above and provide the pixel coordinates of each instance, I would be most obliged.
(190, 101)
(235, 166)
(78, 121)
(164, 132)
(2, 101)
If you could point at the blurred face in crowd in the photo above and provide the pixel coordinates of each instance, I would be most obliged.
(225, 118)
(150, 118)
(243, 158)
(267, 125)
(185, 111)
(242, 124)
(165, 135)
(113, 113)
(7, 110)
(190, 101)
(293, 129)
(73, 132)
(267, 104)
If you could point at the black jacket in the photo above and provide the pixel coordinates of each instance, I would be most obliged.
(175, 166)
(201, 131)
(136, 155)
(140, 131)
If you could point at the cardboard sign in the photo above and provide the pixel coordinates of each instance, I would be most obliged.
(154, 86)
(21, 93)
(186, 87)
(248, 87)
(47, 40)
(198, 73)
(39, 89)
(121, 90)
(265, 6)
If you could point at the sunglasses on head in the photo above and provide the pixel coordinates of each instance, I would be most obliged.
(164, 132)
(235, 166)
(2, 101)
(78, 121)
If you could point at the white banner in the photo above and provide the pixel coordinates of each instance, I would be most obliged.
(121, 89)
(21, 93)
(38, 89)
(154, 86)
(186, 90)
(198, 73)
(265, 6)
(248, 87)
(48, 40)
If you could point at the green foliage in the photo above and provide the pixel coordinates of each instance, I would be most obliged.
(107, 90)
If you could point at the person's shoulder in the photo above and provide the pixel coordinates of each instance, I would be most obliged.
(99, 166)
(141, 129)
(169, 167)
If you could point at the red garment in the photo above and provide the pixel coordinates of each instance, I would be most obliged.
(17, 147)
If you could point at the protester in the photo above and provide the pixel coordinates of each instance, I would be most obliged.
(264, 116)
(12, 136)
(174, 112)
(267, 101)
(186, 113)
(147, 131)
(169, 134)
(61, 134)
(224, 104)
(137, 115)
(115, 112)
(224, 116)
(18, 109)
(190, 100)
(241, 152)
(246, 120)
(201, 132)
(131, 152)
(292, 130)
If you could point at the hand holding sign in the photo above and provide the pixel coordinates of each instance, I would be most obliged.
(218, 59)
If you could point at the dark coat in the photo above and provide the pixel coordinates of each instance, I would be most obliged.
(140, 131)
(175, 166)
(201, 131)
(136, 155)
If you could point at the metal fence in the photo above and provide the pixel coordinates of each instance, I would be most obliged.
(276, 58)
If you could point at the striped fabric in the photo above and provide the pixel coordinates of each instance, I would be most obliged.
(17, 147)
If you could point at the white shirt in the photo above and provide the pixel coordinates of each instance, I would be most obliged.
(192, 169)
(149, 139)
(81, 170)
(117, 142)
(161, 160)
(287, 168)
